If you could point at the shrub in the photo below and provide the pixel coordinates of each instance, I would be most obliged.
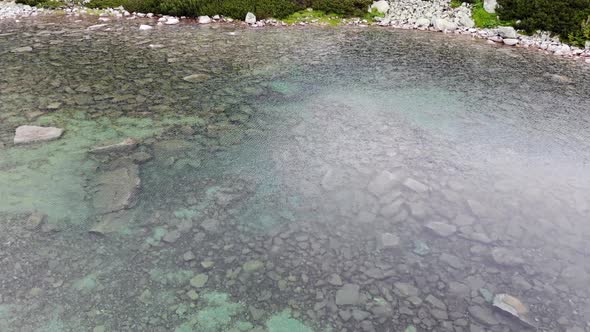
(344, 7)
(565, 17)
(102, 4)
(230, 8)
(29, 2)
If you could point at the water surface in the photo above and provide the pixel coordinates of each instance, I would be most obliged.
(293, 184)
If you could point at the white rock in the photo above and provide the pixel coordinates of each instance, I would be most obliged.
(490, 6)
(422, 22)
(29, 134)
(96, 26)
(382, 6)
(22, 49)
(172, 20)
(507, 32)
(145, 27)
(204, 19)
(250, 18)
(216, 17)
(510, 41)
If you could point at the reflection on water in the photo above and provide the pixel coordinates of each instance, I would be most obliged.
(290, 180)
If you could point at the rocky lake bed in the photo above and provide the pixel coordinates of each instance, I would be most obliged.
(215, 177)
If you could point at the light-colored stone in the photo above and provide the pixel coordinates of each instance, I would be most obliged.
(490, 6)
(441, 229)
(510, 41)
(29, 134)
(204, 19)
(196, 78)
(388, 240)
(507, 32)
(349, 294)
(127, 145)
(145, 27)
(116, 189)
(423, 22)
(171, 21)
(250, 18)
(381, 6)
(22, 49)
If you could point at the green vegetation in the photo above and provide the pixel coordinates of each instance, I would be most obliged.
(102, 4)
(567, 18)
(317, 16)
(356, 8)
(484, 19)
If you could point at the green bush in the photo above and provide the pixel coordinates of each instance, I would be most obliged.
(102, 4)
(568, 18)
(344, 7)
(29, 2)
(230, 8)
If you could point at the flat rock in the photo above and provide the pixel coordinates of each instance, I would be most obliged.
(441, 229)
(35, 220)
(145, 27)
(415, 185)
(111, 223)
(506, 257)
(483, 315)
(127, 145)
(117, 189)
(406, 289)
(382, 183)
(96, 26)
(22, 49)
(199, 280)
(335, 280)
(349, 294)
(388, 240)
(29, 134)
(196, 78)
(513, 306)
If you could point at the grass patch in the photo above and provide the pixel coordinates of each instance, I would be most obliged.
(456, 3)
(373, 14)
(484, 19)
(315, 16)
(103, 4)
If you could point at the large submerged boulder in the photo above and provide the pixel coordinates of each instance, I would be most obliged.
(30, 134)
(116, 189)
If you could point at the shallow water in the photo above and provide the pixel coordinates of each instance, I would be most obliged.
(268, 183)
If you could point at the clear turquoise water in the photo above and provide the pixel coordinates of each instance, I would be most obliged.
(264, 169)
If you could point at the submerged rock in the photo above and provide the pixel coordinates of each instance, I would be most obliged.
(96, 26)
(116, 189)
(441, 229)
(513, 306)
(388, 240)
(196, 78)
(22, 49)
(127, 145)
(349, 294)
(505, 257)
(28, 134)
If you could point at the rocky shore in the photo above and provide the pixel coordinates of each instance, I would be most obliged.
(436, 16)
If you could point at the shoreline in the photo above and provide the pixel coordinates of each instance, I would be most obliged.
(499, 36)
